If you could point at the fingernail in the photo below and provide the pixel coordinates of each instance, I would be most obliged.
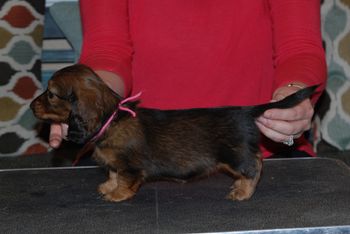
(262, 120)
(267, 114)
(54, 143)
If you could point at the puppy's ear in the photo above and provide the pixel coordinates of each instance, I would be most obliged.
(78, 130)
(92, 103)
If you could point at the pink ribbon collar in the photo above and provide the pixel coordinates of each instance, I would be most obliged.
(115, 113)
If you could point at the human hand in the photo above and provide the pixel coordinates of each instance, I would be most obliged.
(281, 124)
(114, 81)
(58, 131)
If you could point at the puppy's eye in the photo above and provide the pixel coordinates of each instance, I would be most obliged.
(50, 95)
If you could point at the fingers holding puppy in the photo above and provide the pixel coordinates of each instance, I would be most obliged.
(58, 131)
(281, 131)
(280, 125)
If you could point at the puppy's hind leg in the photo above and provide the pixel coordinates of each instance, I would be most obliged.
(246, 175)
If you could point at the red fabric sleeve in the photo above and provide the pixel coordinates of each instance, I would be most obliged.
(299, 55)
(106, 38)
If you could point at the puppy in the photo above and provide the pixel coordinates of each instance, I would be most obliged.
(156, 144)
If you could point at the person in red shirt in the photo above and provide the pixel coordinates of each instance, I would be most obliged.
(208, 53)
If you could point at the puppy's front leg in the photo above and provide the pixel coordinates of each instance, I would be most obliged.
(120, 186)
(110, 184)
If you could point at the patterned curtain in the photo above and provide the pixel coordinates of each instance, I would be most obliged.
(333, 121)
(21, 29)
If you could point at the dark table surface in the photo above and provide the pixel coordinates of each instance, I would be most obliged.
(293, 196)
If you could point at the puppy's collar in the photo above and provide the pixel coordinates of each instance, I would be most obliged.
(114, 114)
(107, 123)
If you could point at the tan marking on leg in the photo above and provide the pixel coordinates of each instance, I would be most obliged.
(243, 187)
(110, 184)
(126, 188)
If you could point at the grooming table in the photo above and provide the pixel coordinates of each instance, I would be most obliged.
(293, 196)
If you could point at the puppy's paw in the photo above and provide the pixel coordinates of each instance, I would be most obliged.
(238, 194)
(118, 195)
(107, 187)
(242, 189)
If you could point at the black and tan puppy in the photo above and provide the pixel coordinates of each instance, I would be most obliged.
(157, 144)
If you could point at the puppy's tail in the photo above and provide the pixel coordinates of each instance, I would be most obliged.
(285, 103)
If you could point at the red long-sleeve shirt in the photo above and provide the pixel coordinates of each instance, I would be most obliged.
(205, 53)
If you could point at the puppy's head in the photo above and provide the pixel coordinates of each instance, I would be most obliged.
(78, 97)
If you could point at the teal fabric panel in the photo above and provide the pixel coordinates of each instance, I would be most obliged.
(67, 17)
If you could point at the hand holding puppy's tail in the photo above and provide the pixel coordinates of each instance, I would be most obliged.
(288, 102)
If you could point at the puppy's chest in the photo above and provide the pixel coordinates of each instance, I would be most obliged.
(104, 155)
(121, 140)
